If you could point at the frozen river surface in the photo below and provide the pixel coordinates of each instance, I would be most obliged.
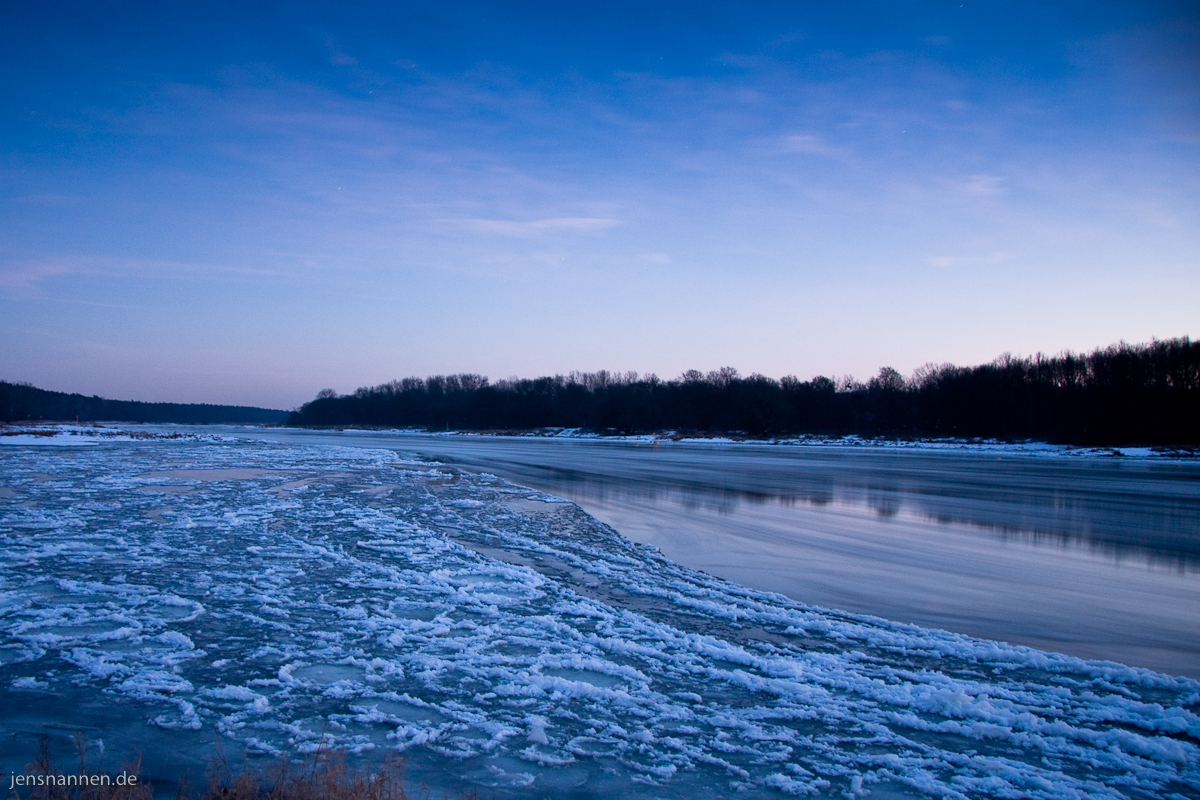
(1093, 557)
(160, 595)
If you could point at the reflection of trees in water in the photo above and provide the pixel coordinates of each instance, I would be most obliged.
(885, 504)
(1136, 512)
(1185, 559)
(1161, 534)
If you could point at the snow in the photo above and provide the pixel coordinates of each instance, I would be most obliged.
(302, 598)
(672, 439)
(53, 440)
(74, 435)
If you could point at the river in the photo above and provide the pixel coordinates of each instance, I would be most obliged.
(1097, 558)
(184, 593)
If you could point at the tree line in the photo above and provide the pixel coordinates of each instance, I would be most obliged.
(21, 402)
(1120, 395)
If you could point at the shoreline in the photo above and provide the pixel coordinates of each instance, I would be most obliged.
(61, 433)
(674, 438)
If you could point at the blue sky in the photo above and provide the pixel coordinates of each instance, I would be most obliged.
(238, 203)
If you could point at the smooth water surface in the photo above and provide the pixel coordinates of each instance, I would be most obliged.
(1093, 557)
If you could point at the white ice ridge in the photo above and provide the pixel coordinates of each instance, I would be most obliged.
(293, 598)
(672, 439)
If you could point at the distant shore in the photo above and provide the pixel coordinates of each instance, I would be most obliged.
(56, 433)
(1120, 396)
(814, 440)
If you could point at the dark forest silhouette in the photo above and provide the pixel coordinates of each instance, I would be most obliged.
(20, 402)
(1125, 394)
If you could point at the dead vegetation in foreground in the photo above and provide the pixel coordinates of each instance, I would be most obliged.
(324, 776)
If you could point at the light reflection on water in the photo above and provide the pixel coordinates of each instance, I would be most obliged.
(1097, 558)
(1162, 535)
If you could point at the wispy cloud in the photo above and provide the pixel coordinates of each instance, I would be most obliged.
(982, 186)
(31, 274)
(28, 274)
(656, 259)
(988, 259)
(808, 144)
(338, 56)
(534, 228)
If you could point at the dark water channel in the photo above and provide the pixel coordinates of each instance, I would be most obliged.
(1093, 557)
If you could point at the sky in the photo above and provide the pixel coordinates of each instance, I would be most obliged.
(246, 203)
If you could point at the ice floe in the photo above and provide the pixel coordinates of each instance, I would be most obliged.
(291, 599)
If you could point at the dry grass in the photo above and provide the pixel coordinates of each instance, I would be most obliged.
(324, 776)
(57, 785)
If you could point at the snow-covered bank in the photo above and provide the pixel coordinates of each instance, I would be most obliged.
(671, 438)
(79, 434)
(290, 598)
(59, 434)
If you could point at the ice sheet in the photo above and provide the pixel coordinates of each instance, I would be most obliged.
(289, 599)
